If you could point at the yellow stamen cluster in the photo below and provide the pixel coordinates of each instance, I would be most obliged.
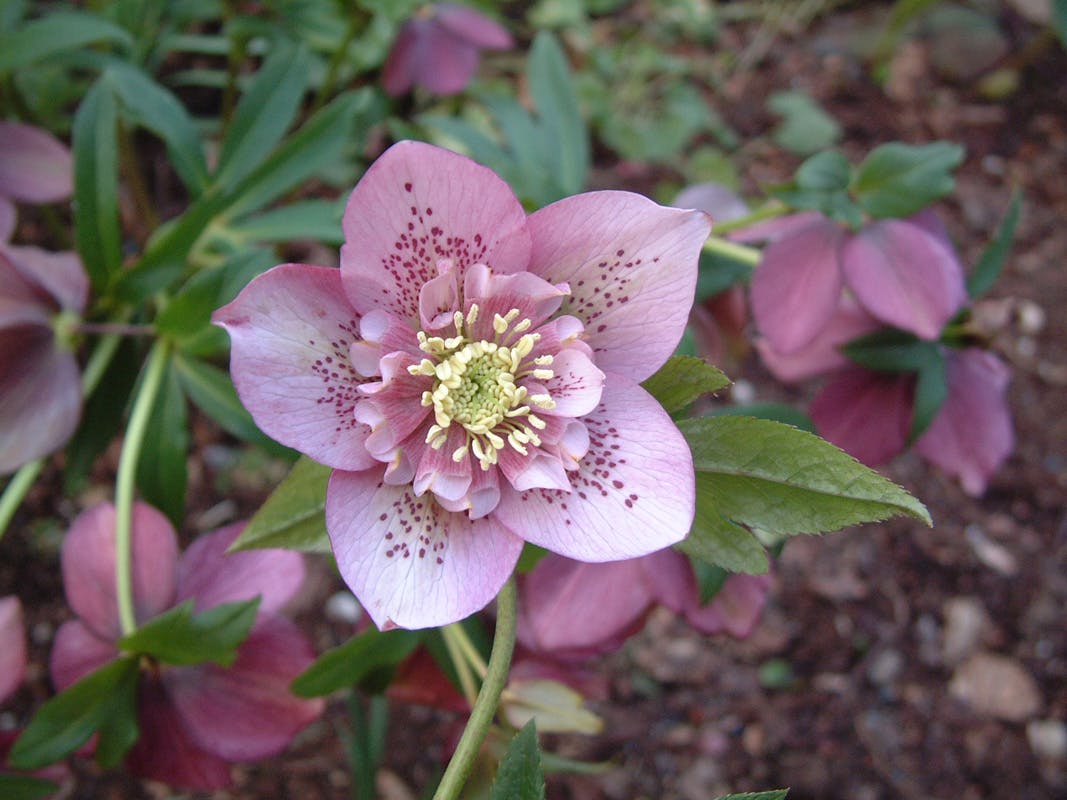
(474, 386)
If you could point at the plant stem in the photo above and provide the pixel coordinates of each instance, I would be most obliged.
(154, 371)
(469, 651)
(459, 661)
(733, 250)
(488, 698)
(15, 491)
(768, 210)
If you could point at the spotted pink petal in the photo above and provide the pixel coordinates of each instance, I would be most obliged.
(797, 286)
(536, 299)
(60, 275)
(165, 751)
(904, 276)
(76, 652)
(627, 261)
(575, 386)
(466, 23)
(12, 646)
(411, 563)
(735, 609)
(633, 493)
(246, 711)
(823, 354)
(88, 563)
(211, 577)
(290, 331)
(36, 167)
(415, 207)
(570, 608)
(867, 414)
(40, 394)
(972, 434)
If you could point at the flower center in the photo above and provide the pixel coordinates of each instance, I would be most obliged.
(475, 386)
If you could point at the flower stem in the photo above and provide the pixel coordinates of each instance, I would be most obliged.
(488, 698)
(768, 210)
(20, 483)
(733, 250)
(459, 661)
(124, 488)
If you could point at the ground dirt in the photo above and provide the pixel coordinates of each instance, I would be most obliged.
(894, 661)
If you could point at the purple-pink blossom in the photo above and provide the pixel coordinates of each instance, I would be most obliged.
(472, 375)
(571, 610)
(40, 389)
(438, 49)
(904, 273)
(193, 720)
(12, 646)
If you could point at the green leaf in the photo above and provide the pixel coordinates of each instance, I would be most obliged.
(890, 350)
(897, 180)
(317, 220)
(264, 112)
(805, 127)
(714, 539)
(118, 732)
(183, 638)
(778, 412)
(359, 657)
(718, 272)
(931, 391)
(710, 579)
(1059, 20)
(211, 390)
(777, 794)
(682, 380)
(557, 106)
(161, 471)
(68, 720)
(786, 481)
(153, 107)
(55, 33)
(25, 787)
(96, 167)
(991, 263)
(294, 515)
(825, 171)
(519, 776)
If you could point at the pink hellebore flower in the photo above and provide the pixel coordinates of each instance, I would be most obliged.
(902, 272)
(868, 414)
(192, 720)
(438, 49)
(471, 374)
(12, 646)
(574, 610)
(40, 391)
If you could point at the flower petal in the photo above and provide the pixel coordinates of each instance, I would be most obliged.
(972, 434)
(867, 414)
(88, 562)
(164, 750)
(633, 492)
(61, 275)
(36, 167)
(290, 329)
(12, 646)
(736, 608)
(40, 395)
(415, 206)
(398, 73)
(771, 230)
(571, 608)
(77, 651)
(575, 386)
(628, 261)
(210, 576)
(468, 24)
(823, 353)
(247, 712)
(411, 563)
(905, 276)
(446, 63)
(797, 286)
(8, 218)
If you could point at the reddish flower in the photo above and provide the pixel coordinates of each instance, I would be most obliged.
(438, 49)
(193, 720)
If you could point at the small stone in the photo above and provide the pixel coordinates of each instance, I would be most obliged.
(993, 555)
(743, 392)
(1031, 317)
(1048, 739)
(996, 686)
(885, 667)
(391, 787)
(965, 622)
(343, 607)
(753, 739)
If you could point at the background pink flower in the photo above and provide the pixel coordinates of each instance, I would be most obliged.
(472, 375)
(438, 49)
(12, 646)
(193, 720)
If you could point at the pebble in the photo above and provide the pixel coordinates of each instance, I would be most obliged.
(996, 686)
(990, 553)
(965, 622)
(343, 607)
(885, 667)
(1048, 739)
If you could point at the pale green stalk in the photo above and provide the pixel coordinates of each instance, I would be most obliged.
(463, 670)
(733, 250)
(488, 698)
(124, 483)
